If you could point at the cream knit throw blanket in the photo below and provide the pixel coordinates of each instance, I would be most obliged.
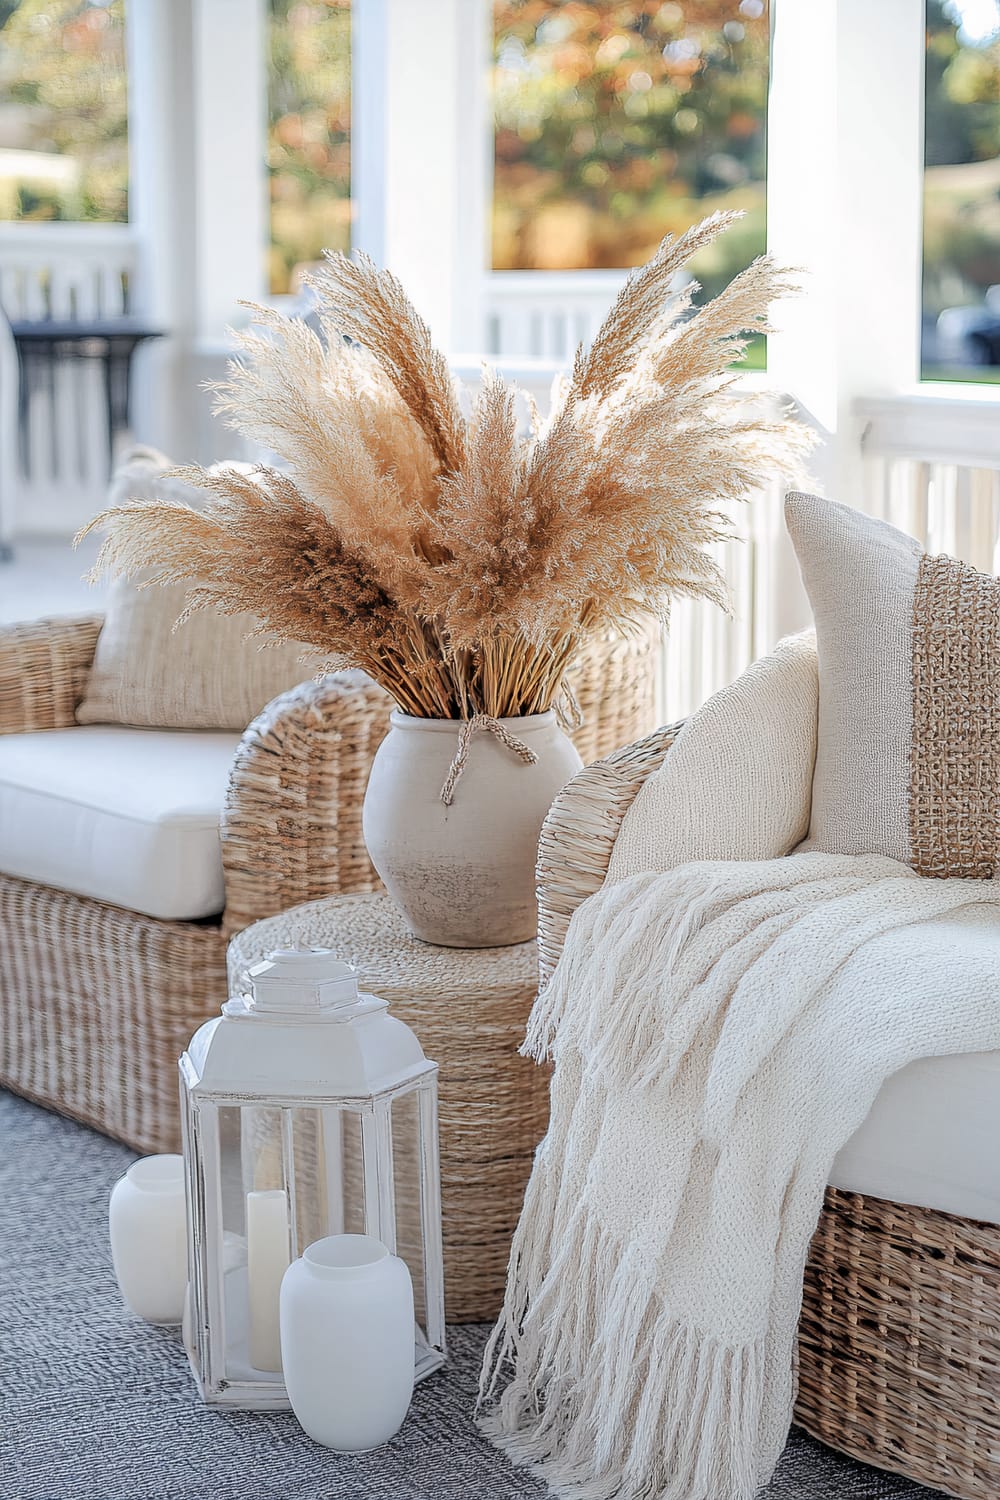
(718, 1031)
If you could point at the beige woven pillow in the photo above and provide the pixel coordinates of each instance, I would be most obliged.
(204, 675)
(908, 749)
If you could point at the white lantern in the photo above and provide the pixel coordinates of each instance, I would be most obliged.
(307, 1111)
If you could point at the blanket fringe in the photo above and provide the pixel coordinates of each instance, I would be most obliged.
(608, 1393)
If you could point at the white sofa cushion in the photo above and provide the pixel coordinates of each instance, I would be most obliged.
(128, 816)
(931, 1138)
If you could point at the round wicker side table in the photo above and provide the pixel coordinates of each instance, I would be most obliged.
(469, 1008)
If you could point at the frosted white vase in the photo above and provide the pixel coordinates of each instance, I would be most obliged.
(464, 875)
(146, 1220)
(347, 1341)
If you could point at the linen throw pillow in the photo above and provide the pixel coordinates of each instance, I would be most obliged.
(908, 748)
(204, 675)
(145, 474)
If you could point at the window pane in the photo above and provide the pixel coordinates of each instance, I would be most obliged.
(63, 110)
(961, 283)
(309, 133)
(617, 122)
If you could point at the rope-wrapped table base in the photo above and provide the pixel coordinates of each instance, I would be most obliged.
(469, 1008)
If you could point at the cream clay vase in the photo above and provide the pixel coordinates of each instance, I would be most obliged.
(452, 816)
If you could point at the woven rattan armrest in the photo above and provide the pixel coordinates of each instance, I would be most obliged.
(291, 828)
(578, 835)
(43, 671)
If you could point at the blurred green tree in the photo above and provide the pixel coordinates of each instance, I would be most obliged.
(64, 93)
(309, 133)
(962, 92)
(620, 120)
(962, 161)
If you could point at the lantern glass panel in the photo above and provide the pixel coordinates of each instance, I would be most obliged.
(232, 1189)
(408, 1195)
(339, 1169)
(352, 1159)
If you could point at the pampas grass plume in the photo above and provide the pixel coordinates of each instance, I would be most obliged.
(459, 561)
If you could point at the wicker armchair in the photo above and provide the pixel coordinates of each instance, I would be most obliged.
(899, 1335)
(97, 1002)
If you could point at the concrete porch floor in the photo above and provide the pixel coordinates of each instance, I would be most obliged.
(45, 577)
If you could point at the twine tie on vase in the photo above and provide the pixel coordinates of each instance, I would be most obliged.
(469, 728)
(569, 714)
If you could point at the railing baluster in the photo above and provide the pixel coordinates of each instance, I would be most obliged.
(68, 272)
(920, 502)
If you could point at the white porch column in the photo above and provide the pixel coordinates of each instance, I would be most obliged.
(197, 121)
(161, 211)
(845, 163)
(229, 184)
(422, 154)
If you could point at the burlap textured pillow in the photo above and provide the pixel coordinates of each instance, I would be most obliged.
(204, 675)
(908, 750)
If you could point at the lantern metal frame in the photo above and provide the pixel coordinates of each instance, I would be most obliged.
(208, 1323)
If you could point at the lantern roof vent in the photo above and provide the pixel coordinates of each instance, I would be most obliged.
(304, 982)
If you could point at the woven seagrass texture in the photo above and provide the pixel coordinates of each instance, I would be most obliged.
(899, 1338)
(955, 750)
(291, 829)
(43, 671)
(97, 1006)
(614, 683)
(899, 1342)
(469, 1008)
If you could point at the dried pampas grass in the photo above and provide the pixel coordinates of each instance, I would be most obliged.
(459, 562)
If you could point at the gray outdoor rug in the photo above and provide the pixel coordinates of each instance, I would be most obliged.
(95, 1405)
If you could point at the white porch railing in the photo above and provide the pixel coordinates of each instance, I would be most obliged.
(706, 649)
(545, 314)
(931, 467)
(70, 272)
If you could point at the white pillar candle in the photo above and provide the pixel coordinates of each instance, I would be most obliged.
(333, 1153)
(146, 1221)
(267, 1261)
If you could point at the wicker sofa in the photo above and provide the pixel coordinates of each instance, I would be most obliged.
(899, 1335)
(97, 1001)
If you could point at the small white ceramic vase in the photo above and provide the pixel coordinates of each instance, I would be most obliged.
(347, 1341)
(464, 874)
(147, 1222)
